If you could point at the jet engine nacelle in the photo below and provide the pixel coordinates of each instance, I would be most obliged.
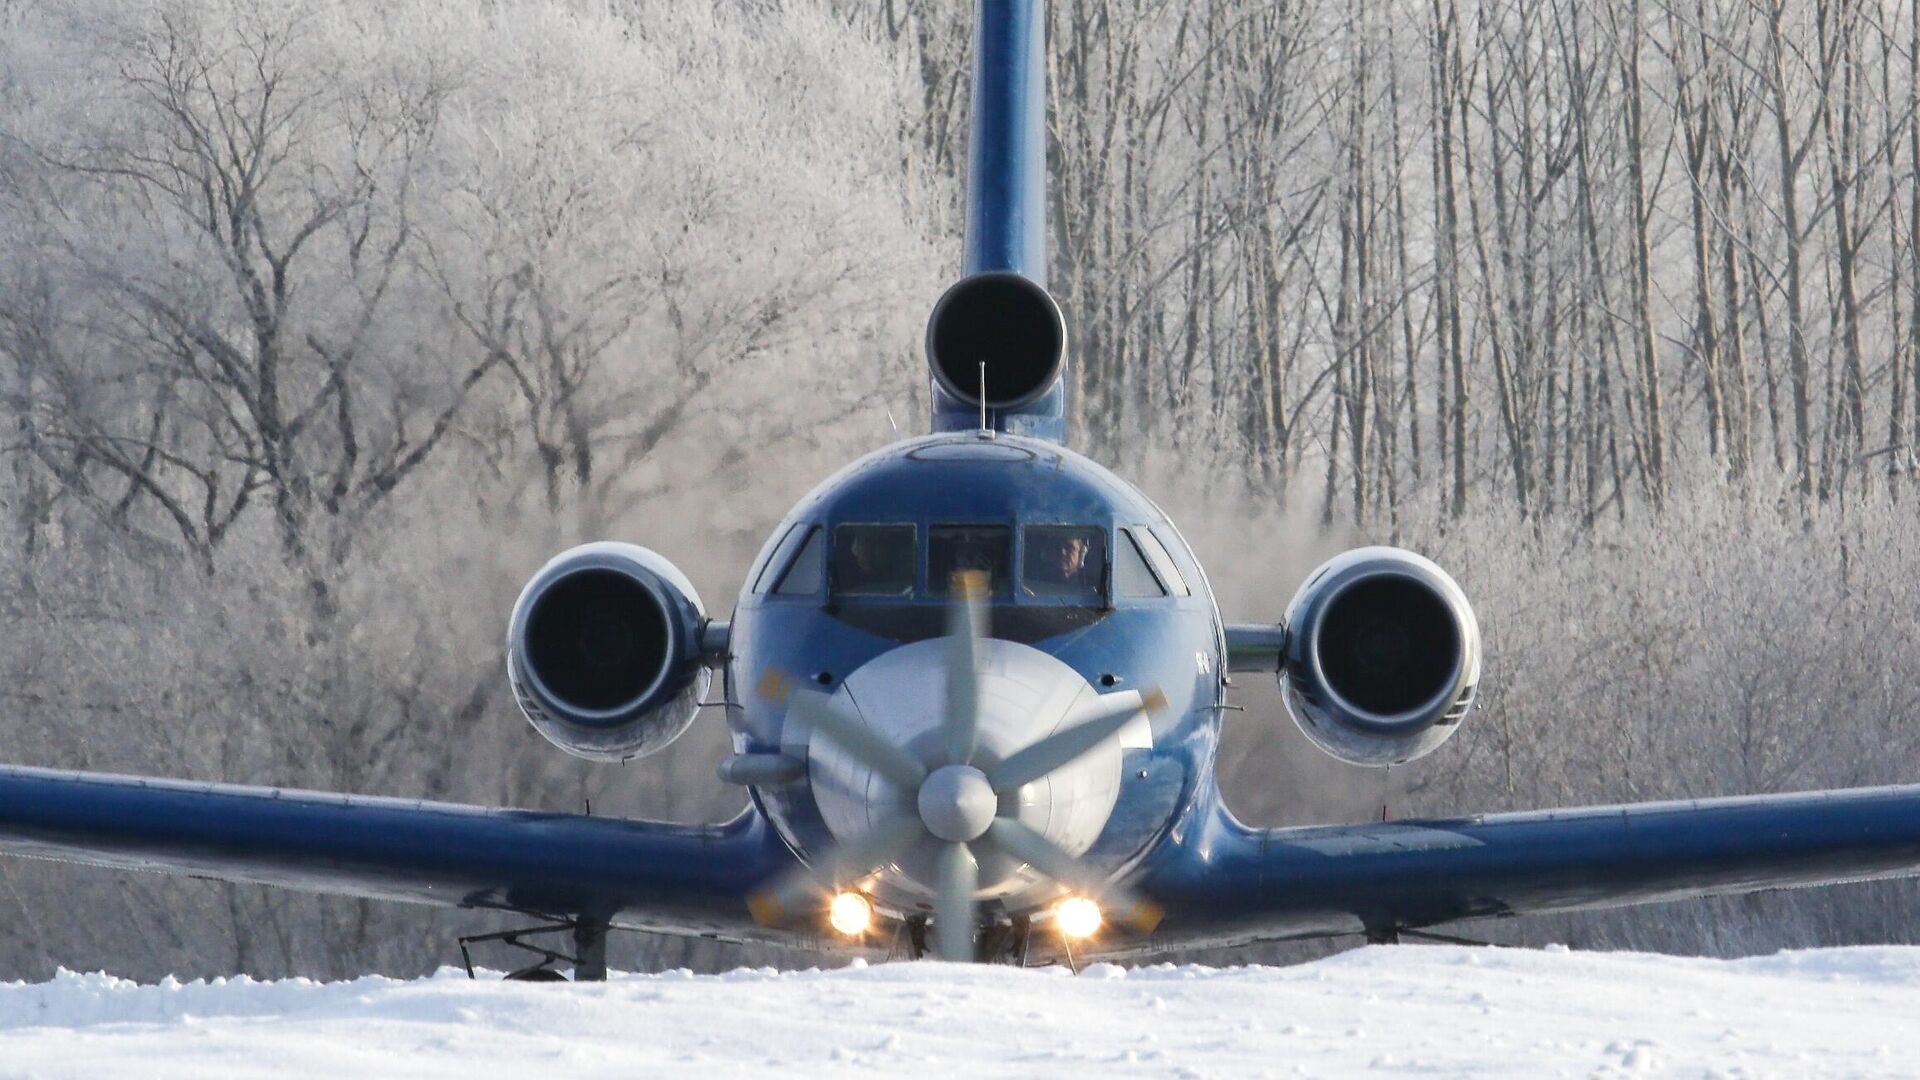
(1000, 333)
(604, 651)
(1382, 656)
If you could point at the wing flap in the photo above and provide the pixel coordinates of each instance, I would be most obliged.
(1231, 884)
(684, 879)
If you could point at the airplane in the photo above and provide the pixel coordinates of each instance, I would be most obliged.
(975, 684)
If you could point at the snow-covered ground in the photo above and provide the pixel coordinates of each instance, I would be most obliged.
(1426, 1010)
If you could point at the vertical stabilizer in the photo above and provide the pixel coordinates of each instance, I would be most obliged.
(996, 337)
(1007, 143)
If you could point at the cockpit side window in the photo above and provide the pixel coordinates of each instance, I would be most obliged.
(953, 549)
(803, 576)
(1131, 577)
(1064, 560)
(1162, 562)
(873, 560)
(770, 572)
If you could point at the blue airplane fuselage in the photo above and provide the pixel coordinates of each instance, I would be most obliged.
(1173, 642)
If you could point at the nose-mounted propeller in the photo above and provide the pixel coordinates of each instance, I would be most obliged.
(958, 802)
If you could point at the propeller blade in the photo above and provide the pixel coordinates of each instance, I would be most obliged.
(966, 624)
(1118, 903)
(826, 715)
(1087, 727)
(953, 903)
(799, 892)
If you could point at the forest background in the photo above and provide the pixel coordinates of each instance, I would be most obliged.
(323, 325)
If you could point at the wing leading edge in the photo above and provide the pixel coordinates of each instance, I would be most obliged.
(683, 879)
(1234, 884)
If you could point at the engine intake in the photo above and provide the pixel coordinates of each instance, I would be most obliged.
(1006, 322)
(1382, 656)
(604, 651)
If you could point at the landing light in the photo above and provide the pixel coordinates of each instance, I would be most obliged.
(1077, 917)
(850, 913)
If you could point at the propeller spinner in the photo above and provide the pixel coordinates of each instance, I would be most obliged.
(958, 802)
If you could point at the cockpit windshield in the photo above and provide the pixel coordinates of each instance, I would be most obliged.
(954, 549)
(873, 560)
(1055, 562)
(1064, 560)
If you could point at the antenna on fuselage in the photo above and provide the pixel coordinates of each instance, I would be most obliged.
(984, 429)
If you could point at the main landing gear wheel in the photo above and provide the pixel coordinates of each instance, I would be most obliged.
(589, 957)
(538, 974)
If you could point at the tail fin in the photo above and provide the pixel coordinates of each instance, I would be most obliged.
(996, 342)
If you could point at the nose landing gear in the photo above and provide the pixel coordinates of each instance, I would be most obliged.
(999, 943)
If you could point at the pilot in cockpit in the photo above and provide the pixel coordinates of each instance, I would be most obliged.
(1063, 561)
(1066, 563)
(874, 560)
(970, 554)
(960, 549)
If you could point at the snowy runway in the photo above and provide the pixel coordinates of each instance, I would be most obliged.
(1427, 1010)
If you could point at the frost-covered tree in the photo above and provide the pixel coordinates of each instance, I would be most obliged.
(321, 325)
(331, 323)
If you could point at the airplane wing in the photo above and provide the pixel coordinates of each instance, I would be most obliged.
(1238, 885)
(683, 879)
